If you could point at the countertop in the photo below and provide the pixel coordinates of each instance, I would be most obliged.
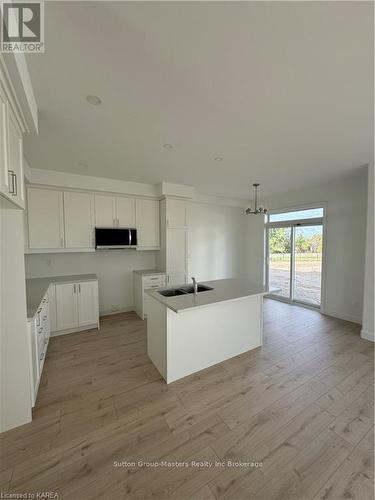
(148, 272)
(223, 290)
(36, 288)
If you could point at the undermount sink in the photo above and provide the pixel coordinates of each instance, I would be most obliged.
(172, 292)
(190, 288)
(183, 290)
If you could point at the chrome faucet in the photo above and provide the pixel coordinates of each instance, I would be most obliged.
(195, 285)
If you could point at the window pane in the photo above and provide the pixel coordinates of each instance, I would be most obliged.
(279, 240)
(311, 213)
(308, 243)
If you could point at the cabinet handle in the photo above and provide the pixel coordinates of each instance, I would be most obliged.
(79, 287)
(11, 180)
(15, 184)
(74, 287)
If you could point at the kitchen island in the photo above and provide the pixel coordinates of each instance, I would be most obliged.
(188, 332)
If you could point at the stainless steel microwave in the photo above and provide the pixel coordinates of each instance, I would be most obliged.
(109, 238)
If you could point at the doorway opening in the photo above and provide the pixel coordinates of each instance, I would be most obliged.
(294, 259)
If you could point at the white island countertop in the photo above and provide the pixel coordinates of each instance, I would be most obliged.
(223, 291)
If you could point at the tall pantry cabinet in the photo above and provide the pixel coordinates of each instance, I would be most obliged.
(173, 257)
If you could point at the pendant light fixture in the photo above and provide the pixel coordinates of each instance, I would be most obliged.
(257, 210)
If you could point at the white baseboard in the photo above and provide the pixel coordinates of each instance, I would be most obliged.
(344, 316)
(74, 330)
(122, 310)
(365, 334)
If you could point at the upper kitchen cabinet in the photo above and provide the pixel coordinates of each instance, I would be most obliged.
(105, 210)
(79, 220)
(114, 211)
(176, 213)
(4, 179)
(125, 212)
(15, 162)
(147, 224)
(11, 155)
(45, 218)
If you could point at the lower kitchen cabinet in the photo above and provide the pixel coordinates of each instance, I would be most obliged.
(77, 306)
(87, 302)
(66, 306)
(39, 334)
(146, 281)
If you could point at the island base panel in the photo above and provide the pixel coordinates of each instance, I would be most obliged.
(180, 344)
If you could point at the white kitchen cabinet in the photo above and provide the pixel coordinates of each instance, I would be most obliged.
(114, 211)
(11, 155)
(66, 306)
(45, 218)
(4, 127)
(147, 224)
(39, 334)
(15, 162)
(105, 210)
(79, 220)
(173, 256)
(143, 282)
(77, 306)
(176, 213)
(125, 212)
(176, 256)
(87, 303)
(52, 307)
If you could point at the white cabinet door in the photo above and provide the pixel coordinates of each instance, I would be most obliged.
(15, 162)
(147, 223)
(87, 297)
(52, 307)
(125, 211)
(176, 213)
(105, 207)
(79, 220)
(176, 256)
(4, 174)
(45, 218)
(66, 306)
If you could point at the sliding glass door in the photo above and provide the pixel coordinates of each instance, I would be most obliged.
(280, 259)
(294, 255)
(308, 245)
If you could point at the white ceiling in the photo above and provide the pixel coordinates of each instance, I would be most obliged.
(282, 91)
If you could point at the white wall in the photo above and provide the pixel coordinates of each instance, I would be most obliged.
(216, 241)
(368, 302)
(344, 245)
(14, 355)
(113, 267)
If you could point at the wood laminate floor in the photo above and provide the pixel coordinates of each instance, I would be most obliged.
(290, 420)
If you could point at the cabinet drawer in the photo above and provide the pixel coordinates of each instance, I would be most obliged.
(150, 281)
